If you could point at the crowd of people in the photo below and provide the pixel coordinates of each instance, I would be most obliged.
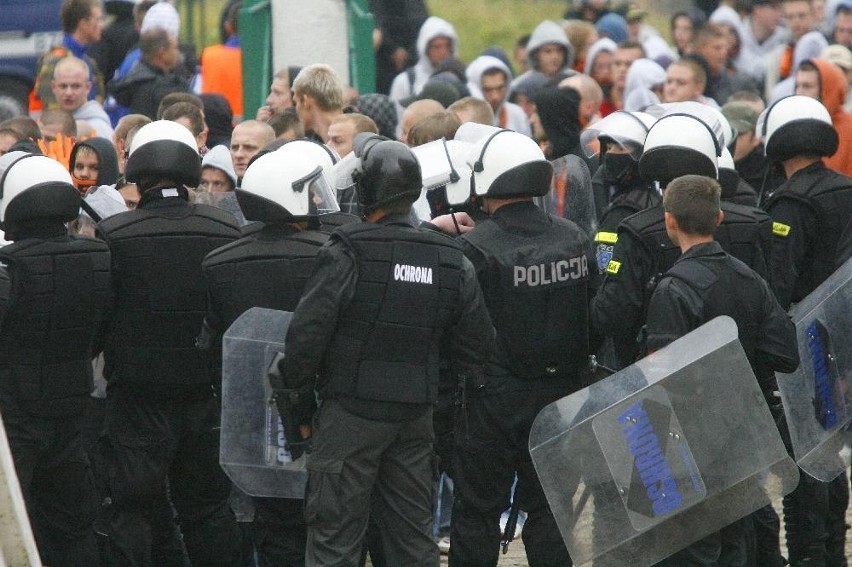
(600, 191)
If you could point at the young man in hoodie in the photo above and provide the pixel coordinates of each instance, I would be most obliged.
(548, 52)
(93, 163)
(488, 78)
(436, 42)
(824, 81)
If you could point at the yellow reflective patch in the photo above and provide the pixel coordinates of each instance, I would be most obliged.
(613, 267)
(780, 229)
(606, 237)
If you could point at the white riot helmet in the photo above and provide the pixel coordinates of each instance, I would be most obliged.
(627, 129)
(679, 144)
(285, 186)
(713, 117)
(35, 187)
(508, 164)
(446, 176)
(797, 125)
(320, 154)
(161, 150)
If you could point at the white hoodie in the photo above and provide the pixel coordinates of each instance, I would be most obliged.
(514, 117)
(402, 84)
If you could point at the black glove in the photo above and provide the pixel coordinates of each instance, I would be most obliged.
(295, 406)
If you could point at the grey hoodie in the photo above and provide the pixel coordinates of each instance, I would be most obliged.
(544, 33)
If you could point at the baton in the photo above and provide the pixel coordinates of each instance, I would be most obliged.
(511, 522)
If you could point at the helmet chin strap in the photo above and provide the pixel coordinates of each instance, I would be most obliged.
(375, 215)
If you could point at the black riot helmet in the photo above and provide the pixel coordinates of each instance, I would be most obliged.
(387, 172)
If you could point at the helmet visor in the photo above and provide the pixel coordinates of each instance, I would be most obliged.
(322, 199)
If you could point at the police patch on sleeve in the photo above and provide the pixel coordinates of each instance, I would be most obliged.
(603, 255)
(613, 267)
(780, 229)
(605, 245)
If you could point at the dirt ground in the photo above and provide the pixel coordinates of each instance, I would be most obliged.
(516, 557)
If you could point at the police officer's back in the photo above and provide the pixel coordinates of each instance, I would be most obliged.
(284, 190)
(370, 322)
(809, 212)
(704, 283)
(707, 282)
(537, 274)
(58, 292)
(811, 209)
(162, 415)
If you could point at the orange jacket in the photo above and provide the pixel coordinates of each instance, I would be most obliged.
(222, 73)
(833, 88)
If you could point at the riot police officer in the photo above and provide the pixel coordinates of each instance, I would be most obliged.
(60, 294)
(810, 211)
(370, 321)
(618, 188)
(676, 145)
(535, 269)
(162, 414)
(706, 282)
(284, 190)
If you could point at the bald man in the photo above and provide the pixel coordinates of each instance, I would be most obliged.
(591, 96)
(415, 112)
(70, 87)
(247, 139)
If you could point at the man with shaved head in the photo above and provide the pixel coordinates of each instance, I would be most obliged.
(591, 96)
(248, 138)
(415, 112)
(70, 87)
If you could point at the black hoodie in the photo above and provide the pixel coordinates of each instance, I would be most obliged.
(107, 160)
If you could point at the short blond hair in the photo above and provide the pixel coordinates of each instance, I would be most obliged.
(321, 83)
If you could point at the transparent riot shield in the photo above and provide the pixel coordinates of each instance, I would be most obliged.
(570, 193)
(661, 454)
(253, 451)
(817, 395)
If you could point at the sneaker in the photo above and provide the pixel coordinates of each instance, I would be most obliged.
(444, 545)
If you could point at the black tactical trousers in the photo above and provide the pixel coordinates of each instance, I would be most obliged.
(491, 444)
(278, 532)
(57, 484)
(155, 441)
(360, 467)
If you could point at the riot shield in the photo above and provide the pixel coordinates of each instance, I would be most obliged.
(661, 454)
(570, 193)
(817, 395)
(252, 451)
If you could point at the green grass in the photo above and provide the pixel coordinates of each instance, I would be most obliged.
(484, 23)
(479, 23)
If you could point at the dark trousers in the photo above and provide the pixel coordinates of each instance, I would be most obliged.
(56, 480)
(491, 444)
(279, 532)
(156, 441)
(360, 467)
